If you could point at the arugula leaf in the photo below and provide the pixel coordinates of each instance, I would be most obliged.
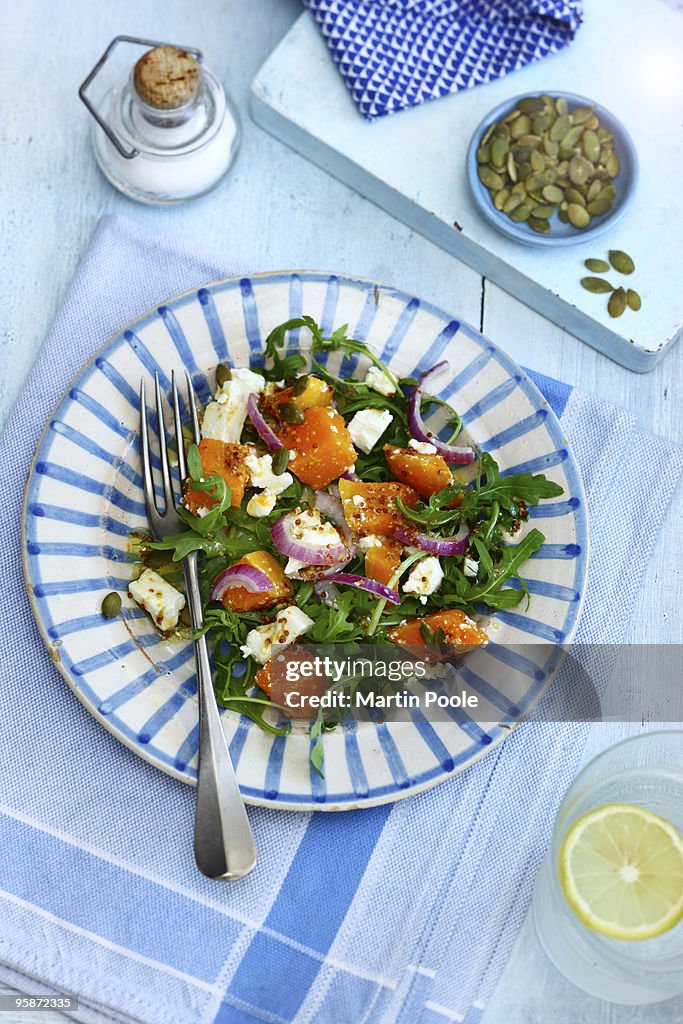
(490, 591)
(317, 754)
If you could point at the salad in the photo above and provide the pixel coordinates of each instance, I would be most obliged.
(325, 510)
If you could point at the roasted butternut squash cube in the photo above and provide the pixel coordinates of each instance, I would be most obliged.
(459, 631)
(426, 473)
(370, 508)
(321, 447)
(241, 600)
(225, 459)
(273, 681)
(382, 560)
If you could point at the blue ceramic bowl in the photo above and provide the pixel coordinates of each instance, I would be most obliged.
(561, 234)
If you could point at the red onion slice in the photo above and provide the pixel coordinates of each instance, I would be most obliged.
(240, 575)
(350, 579)
(455, 545)
(450, 452)
(349, 474)
(332, 508)
(283, 533)
(262, 429)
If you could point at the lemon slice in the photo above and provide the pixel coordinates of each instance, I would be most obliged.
(621, 871)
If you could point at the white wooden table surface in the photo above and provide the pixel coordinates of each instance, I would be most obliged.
(277, 211)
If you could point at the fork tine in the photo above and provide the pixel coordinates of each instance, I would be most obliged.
(165, 473)
(150, 502)
(193, 407)
(182, 466)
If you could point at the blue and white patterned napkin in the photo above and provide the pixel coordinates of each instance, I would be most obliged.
(394, 54)
(403, 914)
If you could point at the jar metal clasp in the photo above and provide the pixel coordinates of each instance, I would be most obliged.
(128, 154)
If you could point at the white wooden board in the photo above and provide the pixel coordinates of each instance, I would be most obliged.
(626, 56)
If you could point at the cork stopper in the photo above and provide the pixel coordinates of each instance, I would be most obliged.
(166, 78)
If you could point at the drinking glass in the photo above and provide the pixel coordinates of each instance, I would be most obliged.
(646, 770)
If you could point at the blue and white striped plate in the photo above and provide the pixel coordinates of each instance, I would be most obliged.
(84, 497)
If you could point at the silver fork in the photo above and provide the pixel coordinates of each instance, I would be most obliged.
(223, 842)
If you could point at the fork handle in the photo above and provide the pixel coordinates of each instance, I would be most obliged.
(223, 841)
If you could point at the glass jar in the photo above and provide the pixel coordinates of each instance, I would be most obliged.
(169, 133)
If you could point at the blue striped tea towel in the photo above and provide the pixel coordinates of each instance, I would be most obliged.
(402, 914)
(394, 54)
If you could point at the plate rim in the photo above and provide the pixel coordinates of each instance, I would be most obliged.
(144, 752)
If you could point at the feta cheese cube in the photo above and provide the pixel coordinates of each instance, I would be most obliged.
(367, 426)
(262, 504)
(379, 381)
(372, 540)
(163, 602)
(261, 473)
(224, 418)
(423, 447)
(249, 380)
(290, 624)
(425, 577)
(470, 567)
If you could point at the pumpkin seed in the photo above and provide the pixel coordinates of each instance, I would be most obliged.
(551, 147)
(520, 126)
(540, 123)
(572, 195)
(553, 194)
(512, 168)
(597, 266)
(578, 215)
(487, 134)
(579, 169)
(536, 160)
(223, 374)
(291, 413)
(512, 116)
(572, 137)
(531, 105)
(562, 217)
(592, 123)
(512, 203)
(560, 128)
(501, 198)
(580, 115)
(488, 177)
(530, 141)
(621, 261)
(484, 153)
(542, 227)
(597, 285)
(186, 616)
(522, 212)
(280, 461)
(612, 165)
(561, 106)
(634, 300)
(300, 385)
(608, 192)
(617, 302)
(543, 211)
(599, 207)
(499, 150)
(590, 146)
(593, 191)
(111, 605)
